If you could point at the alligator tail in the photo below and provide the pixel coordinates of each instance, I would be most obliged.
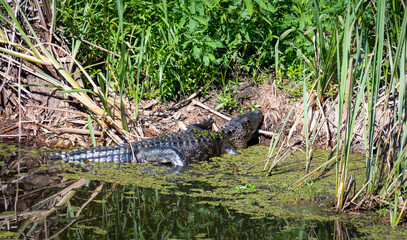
(118, 154)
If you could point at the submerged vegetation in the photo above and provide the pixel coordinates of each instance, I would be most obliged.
(348, 57)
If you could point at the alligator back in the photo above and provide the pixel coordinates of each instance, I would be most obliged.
(177, 148)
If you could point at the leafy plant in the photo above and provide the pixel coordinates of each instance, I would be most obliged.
(254, 106)
(179, 46)
(245, 188)
(227, 102)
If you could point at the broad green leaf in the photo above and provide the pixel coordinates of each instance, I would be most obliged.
(249, 6)
(206, 60)
(193, 24)
(212, 57)
(196, 52)
(192, 8)
(201, 20)
(213, 44)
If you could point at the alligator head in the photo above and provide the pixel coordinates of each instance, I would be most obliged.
(241, 128)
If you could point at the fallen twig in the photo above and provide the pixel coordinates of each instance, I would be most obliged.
(187, 99)
(267, 133)
(61, 109)
(70, 130)
(210, 110)
(252, 166)
(356, 195)
(64, 191)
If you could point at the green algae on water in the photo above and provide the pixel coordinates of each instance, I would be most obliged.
(217, 180)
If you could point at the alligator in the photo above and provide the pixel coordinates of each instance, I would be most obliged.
(197, 143)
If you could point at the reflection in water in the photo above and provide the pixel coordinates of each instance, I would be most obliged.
(142, 213)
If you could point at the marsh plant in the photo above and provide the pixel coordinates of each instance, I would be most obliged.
(248, 188)
(359, 73)
(365, 56)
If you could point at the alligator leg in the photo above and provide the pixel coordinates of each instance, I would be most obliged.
(227, 148)
(160, 155)
(206, 124)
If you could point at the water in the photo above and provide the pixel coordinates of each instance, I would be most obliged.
(208, 200)
(132, 212)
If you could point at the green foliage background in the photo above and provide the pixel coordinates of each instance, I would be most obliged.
(188, 44)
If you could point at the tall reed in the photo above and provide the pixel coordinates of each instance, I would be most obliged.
(368, 62)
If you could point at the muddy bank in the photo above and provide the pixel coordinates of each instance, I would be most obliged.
(68, 127)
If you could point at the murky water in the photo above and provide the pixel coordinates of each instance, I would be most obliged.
(208, 200)
(134, 212)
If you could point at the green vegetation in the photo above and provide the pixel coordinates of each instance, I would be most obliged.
(142, 213)
(366, 53)
(245, 189)
(176, 47)
(214, 180)
(227, 101)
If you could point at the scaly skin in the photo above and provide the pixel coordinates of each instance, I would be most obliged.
(195, 144)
